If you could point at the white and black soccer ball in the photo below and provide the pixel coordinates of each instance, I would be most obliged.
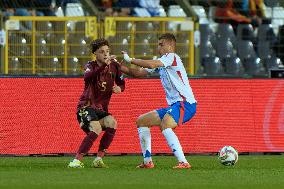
(228, 155)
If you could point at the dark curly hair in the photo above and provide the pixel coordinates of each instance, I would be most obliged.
(96, 44)
(168, 36)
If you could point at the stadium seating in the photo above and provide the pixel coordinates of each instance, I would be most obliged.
(74, 66)
(24, 49)
(211, 14)
(271, 3)
(146, 27)
(278, 18)
(207, 50)
(141, 12)
(201, 13)
(248, 51)
(207, 34)
(225, 49)
(245, 49)
(78, 45)
(245, 32)
(271, 62)
(225, 32)
(74, 9)
(212, 66)
(121, 26)
(238, 49)
(233, 66)
(56, 65)
(59, 45)
(162, 11)
(253, 66)
(264, 49)
(268, 12)
(59, 12)
(120, 42)
(265, 33)
(175, 11)
(42, 48)
(15, 65)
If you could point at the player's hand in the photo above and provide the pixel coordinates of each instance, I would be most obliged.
(113, 57)
(116, 89)
(108, 61)
(121, 62)
(126, 57)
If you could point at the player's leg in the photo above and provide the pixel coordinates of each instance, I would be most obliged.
(167, 126)
(144, 123)
(92, 135)
(109, 124)
(178, 114)
(88, 120)
(86, 144)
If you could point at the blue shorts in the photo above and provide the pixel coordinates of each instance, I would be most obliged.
(180, 111)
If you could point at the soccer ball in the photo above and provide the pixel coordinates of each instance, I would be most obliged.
(228, 155)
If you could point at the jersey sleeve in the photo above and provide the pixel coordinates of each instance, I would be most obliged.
(119, 80)
(167, 59)
(88, 73)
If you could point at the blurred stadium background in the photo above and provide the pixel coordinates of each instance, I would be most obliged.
(215, 38)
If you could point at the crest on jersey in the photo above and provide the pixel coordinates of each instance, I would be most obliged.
(87, 70)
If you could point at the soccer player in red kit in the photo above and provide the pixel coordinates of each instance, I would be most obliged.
(102, 78)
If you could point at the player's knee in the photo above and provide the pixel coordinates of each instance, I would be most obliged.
(110, 122)
(168, 122)
(113, 124)
(163, 127)
(96, 127)
(140, 121)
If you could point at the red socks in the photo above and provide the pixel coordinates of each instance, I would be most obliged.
(89, 140)
(106, 141)
(86, 145)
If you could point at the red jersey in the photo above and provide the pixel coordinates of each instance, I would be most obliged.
(99, 81)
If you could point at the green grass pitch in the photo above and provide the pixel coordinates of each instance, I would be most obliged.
(254, 171)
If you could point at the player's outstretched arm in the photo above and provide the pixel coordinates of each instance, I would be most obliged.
(134, 72)
(119, 79)
(142, 63)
